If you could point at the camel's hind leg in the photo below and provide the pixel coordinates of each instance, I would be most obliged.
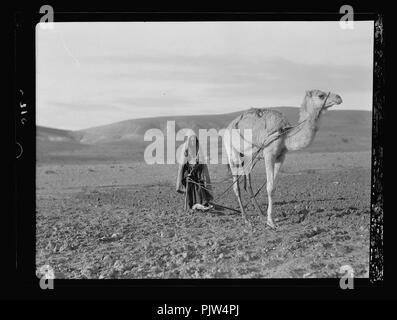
(236, 188)
(252, 195)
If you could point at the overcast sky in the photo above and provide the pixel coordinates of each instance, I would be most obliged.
(91, 74)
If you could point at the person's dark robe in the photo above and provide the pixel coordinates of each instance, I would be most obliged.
(199, 191)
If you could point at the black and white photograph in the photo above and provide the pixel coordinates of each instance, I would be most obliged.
(203, 149)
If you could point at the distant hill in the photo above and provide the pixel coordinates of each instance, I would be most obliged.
(135, 129)
(340, 130)
(54, 135)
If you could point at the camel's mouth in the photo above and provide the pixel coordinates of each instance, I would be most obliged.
(327, 106)
(336, 100)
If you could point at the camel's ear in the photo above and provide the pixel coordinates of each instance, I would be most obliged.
(308, 93)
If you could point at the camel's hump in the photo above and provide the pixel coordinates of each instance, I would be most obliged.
(264, 120)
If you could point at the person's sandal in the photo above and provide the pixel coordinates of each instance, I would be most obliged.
(201, 207)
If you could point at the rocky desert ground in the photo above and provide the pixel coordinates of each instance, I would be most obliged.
(123, 219)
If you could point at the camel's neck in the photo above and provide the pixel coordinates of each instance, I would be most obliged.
(302, 136)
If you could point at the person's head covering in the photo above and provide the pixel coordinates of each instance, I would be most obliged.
(190, 151)
(192, 148)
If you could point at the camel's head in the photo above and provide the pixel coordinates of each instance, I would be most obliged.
(319, 100)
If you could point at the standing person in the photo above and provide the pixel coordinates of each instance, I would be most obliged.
(193, 176)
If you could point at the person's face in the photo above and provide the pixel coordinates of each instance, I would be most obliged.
(193, 146)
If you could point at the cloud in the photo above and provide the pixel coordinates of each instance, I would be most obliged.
(81, 105)
(286, 77)
(152, 102)
(245, 75)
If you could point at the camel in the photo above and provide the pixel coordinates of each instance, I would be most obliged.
(271, 125)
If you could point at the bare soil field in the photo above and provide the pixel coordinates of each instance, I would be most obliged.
(125, 220)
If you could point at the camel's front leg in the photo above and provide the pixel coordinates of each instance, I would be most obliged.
(236, 188)
(277, 165)
(269, 163)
